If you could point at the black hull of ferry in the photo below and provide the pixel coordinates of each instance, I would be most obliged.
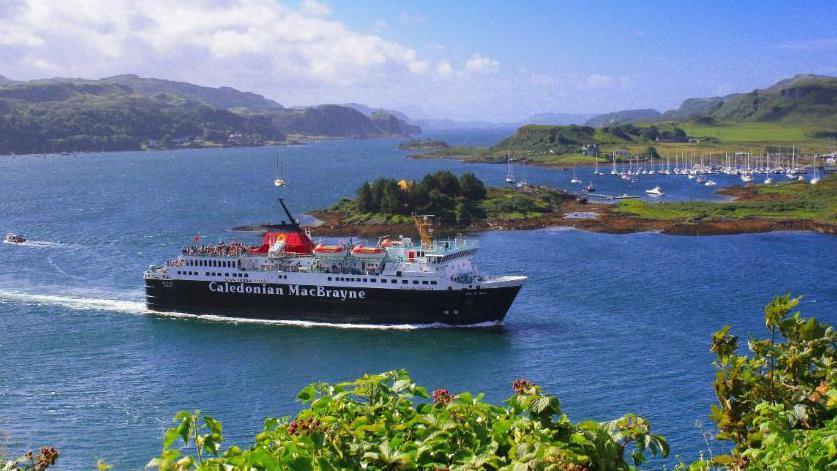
(292, 303)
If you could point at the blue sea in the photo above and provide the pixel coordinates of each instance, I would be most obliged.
(609, 323)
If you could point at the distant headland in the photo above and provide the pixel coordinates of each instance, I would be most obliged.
(127, 112)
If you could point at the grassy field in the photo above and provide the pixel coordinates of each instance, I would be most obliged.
(786, 201)
(750, 132)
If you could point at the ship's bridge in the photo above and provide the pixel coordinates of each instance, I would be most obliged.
(437, 251)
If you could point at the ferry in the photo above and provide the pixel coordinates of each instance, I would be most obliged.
(289, 277)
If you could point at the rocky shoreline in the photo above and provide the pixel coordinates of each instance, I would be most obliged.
(605, 220)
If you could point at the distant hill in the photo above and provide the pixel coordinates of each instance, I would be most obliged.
(369, 111)
(569, 139)
(223, 97)
(130, 112)
(558, 119)
(802, 99)
(626, 116)
(692, 107)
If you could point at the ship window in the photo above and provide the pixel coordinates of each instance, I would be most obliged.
(227, 274)
(329, 278)
(424, 282)
(373, 280)
(404, 282)
(364, 280)
(246, 275)
(206, 273)
(415, 282)
(398, 273)
(432, 282)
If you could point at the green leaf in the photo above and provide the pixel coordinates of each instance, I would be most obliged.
(307, 393)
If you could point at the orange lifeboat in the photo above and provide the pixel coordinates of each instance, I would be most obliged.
(329, 249)
(391, 243)
(361, 250)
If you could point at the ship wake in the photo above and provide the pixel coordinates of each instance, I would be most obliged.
(79, 303)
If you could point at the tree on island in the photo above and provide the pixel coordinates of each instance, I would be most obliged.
(450, 198)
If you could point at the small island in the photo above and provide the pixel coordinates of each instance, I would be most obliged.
(423, 144)
(465, 204)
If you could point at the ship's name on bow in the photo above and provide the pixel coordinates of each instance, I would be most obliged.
(291, 290)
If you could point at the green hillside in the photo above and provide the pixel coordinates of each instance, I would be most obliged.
(808, 101)
(129, 112)
(803, 99)
(625, 116)
(567, 139)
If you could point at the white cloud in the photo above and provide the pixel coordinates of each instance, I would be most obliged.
(444, 69)
(313, 7)
(248, 43)
(478, 64)
(380, 26)
(298, 55)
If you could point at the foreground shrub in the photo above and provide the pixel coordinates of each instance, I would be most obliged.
(778, 403)
(31, 461)
(386, 421)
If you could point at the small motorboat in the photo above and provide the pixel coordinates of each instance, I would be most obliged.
(14, 238)
(590, 188)
(710, 183)
(656, 191)
(768, 181)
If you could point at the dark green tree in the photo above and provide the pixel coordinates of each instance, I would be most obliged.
(447, 183)
(390, 201)
(442, 206)
(471, 187)
(365, 200)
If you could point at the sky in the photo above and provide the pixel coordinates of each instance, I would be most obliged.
(495, 61)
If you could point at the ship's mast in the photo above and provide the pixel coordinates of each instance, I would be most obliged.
(423, 224)
(288, 212)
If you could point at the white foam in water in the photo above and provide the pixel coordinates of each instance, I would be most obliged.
(75, 303)
(134, 307)
(40, 244)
